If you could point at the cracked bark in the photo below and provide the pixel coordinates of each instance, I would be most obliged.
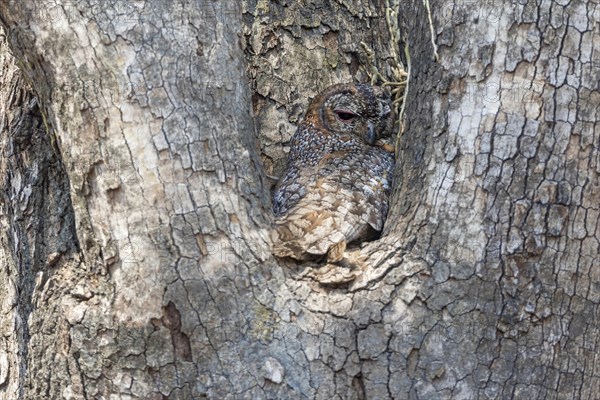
(135, 259)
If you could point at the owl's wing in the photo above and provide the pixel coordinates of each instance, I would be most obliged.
(289, 190)
(346, 200)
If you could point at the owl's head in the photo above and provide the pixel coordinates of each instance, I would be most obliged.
(361, 110)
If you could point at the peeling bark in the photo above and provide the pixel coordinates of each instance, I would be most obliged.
(135, 207)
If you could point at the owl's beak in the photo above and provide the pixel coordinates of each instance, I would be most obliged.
(371, 133)
(385, 108)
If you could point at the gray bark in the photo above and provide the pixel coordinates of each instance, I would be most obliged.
(37, 228)
(135, 214)
(498, 194)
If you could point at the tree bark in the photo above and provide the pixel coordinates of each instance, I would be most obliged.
(135, 203)
(37, 227)
(151, 116)
(497, 193)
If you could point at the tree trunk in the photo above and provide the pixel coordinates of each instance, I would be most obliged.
(497, 193)
(135, 207)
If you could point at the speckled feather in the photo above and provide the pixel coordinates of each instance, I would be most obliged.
(336, 184)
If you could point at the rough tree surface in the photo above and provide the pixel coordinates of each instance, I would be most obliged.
(134, 203)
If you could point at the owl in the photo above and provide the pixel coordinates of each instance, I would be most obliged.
(335, 187)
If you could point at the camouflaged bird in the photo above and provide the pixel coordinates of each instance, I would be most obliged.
(335, 188)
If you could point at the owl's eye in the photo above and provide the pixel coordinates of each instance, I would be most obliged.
(344, 115)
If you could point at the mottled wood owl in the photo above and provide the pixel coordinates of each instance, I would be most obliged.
(335, 188)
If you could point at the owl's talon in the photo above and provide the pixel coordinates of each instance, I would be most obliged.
(333, 275)
(342, 272)
(336, 252)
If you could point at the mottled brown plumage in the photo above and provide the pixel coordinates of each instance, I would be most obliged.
(335, 187)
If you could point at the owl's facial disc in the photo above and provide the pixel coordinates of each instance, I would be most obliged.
(361, 110)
